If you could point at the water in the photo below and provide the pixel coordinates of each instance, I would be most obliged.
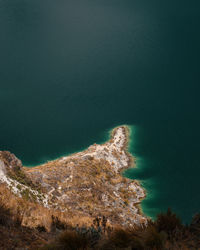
(70, 70)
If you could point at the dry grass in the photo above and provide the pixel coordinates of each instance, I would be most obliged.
(33, 215)
(80, 232)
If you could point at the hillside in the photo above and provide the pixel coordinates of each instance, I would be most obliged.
(85, 185)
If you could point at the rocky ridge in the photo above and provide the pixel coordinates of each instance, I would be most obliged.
(85, 184)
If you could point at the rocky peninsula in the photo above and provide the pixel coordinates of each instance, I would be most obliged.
(85, 185)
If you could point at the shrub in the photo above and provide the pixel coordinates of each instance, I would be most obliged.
(5, 215)
(120, 238)
(71, 240)
(195, 224)
(57, 224)
(26, 194)
(154, 239)
(41, 228)
(168, 222)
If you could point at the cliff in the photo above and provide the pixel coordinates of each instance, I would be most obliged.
(86, 185)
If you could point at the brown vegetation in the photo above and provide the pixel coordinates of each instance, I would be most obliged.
(165, 233)
(57, 233)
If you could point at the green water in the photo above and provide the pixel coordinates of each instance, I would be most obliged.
(71, 70)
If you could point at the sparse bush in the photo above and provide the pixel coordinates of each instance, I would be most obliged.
(26, 194)
(57, 224)
(5, 215)
(154, 239)
(168, 222)
(71, 240)
(195, 224)
(41, 228)
(120, 238)
(19, 187)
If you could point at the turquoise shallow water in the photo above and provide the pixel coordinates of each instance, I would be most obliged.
(71, 70)
(139, 172)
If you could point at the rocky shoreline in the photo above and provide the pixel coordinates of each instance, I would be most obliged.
(86, 184)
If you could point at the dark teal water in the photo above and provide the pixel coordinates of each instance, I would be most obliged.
(70, 70)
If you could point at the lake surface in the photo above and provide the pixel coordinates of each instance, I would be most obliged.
(71, 70)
